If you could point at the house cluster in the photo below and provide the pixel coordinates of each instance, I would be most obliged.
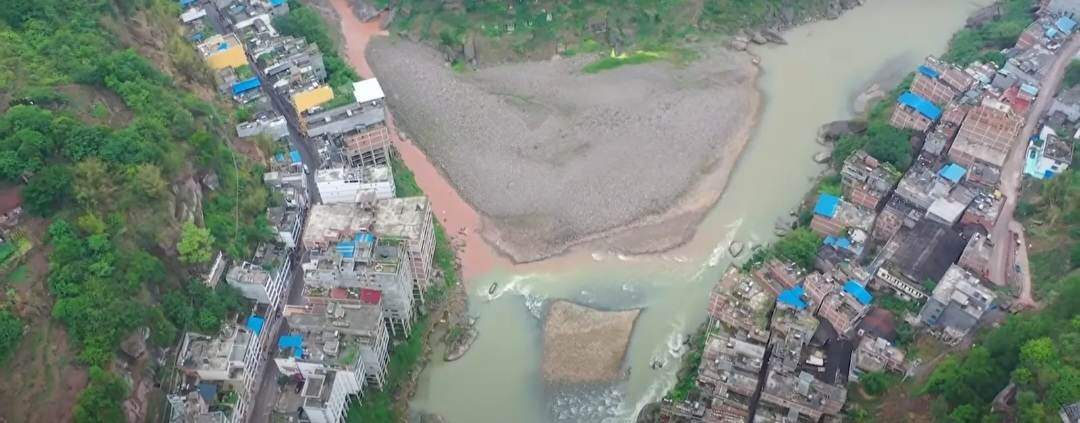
(783, 342)
(349, 264)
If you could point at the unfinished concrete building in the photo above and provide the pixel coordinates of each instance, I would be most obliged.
(912, 111)
(742, 304)
(845, 307)
(368, 146)
(940, 82)
(876, 354)
(411, 220)
(728, 374)
(329, 224)
(778, 275)
(976, 256)
(986, 136)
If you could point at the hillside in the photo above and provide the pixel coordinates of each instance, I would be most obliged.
(129, 185)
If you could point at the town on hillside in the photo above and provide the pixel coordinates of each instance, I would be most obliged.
(933, 249)
(346, 277)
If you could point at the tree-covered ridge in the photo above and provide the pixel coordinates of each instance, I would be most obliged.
(113, 194)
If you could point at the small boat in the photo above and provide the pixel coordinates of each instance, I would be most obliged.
(492, 288)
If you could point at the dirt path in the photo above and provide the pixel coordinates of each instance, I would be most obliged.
(1012, 176)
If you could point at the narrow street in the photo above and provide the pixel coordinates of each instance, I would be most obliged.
(1011, 177)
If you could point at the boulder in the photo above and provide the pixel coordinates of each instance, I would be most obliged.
(822, 157)
(984, 16)
(834, 130)
(868, 97)
(758, 38)
(738, 45)
(849, 4)
(773, 36)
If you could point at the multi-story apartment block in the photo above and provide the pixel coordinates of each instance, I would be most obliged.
(988, 132)
(265, 279)
(742, 304)
(411, 220)
(866, 181)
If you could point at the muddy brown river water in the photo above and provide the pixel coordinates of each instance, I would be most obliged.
(810, 81)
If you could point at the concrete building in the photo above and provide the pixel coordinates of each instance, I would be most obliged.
(876, 354)
(988, 132)
(833, 216)
(1047, 155)
(885, 277)
(1068, 104)
(340, 183)
(411, 220)
(958, 302)
(287, 219)
(924, 252)
(266, 278)
(792, 329)
(337, 335)
(742, 304)
(349, 118)
(728, 375)
(193, 408)
(289, 63)
(923, 184)
(359, 264)
(845, 307)
(983, 211)
(274, 127)
(329, 224)
(801, 396)
(325, 352)
(912, 111)
(230, 360)
(866, 181)
(222, 51)
(897, 213)
(778, 275)
(368, 146)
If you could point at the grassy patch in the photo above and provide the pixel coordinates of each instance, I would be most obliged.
(18, 276)
(676, 56)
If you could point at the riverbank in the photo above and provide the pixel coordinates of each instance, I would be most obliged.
(525, 143)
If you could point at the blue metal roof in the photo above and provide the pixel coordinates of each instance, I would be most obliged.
(952, 172)
(838, 242)
(1065, 24)
(207, 391)
(826, 205)
(858, 291)
(295, 156)
(926, 70)
(921, 105)
(255, 323)
(245, 85)
(1030, 89)
(277, 3)
(185, 3)
(793, 297)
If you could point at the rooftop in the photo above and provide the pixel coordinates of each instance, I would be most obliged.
(732, 363)
(742, 302)
(920, 186)
(964, 288)
(368, 90)
(331, 333)
(921, 105)
(348, 118)
(403, 217)
(926, 251)
(222, 354)
(330, 223)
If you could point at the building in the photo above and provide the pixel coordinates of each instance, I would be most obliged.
(778, 275)
(833, 216)
(912, 111)
(901, 285)
(368, 91)
(222, 52)
(330, 223)
(266, 278)
(369, 146)
(287, 218)
(361, 264)
(742, 304)
(897, 213)
(349, 118)
(411, 220)
(193, 408)
(357, 329)
(976, 256)
(327, 350)
(845, 307)
(793, 328)
(950, 208)
(801, 396)
(340, 183)
(1068, 104)
(866, 181)
(228, 361)
(924, 252)
(1047, 155)
(922, 185)
(983, 211)
(986, 135)
(1070, 413)
(307, 100)
(876, 354)
(940, 82)
(273, 126)
(289, 63)
(958, 302)
(728, 374)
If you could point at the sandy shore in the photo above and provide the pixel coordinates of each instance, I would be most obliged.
(553, 158)
(585, 345)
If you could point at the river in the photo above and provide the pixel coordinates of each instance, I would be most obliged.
(810, 81)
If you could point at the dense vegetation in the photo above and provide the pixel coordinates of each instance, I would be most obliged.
(107, 189)
(522, 27)
(985, 42)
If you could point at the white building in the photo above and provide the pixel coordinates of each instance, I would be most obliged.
(346, 184)
(266, 278)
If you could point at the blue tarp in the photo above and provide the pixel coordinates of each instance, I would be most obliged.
(277, 3)
(223, 46)
(255, 323)
(347, 248)
(295, 156)
(1065, 24)
(921, 105)
(793, 297)
(296, 342)
(196, 37)
(279, 157)
(858, 291)
(208, 391)
(838, 242)
(826, 205)
(245, 85)
(1030, 89)
(953, 172)
(185, 3)
(926, 70)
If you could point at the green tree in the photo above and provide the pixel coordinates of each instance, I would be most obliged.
(964, 414)
(874, 383)
(195, 245)
(11, 331)
(146, 182)
(47, 190)
(1037, 352)
(100, 401)
(93, 184)
(889, 145)
(799, 246)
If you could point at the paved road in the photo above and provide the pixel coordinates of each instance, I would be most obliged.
(1011, 176)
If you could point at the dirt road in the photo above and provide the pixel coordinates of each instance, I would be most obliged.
(1011, 177)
